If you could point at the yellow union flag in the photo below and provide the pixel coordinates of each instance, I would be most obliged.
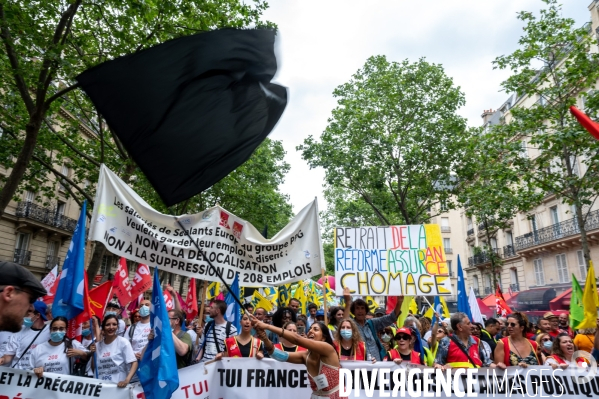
(261, 302)
(590, 301)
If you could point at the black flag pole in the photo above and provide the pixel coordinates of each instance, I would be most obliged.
(212, 266)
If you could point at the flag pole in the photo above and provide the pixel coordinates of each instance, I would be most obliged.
(323, 265)
(324, 296)
(202, 306)
(212, 266)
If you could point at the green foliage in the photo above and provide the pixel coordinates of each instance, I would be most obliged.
(554, 66)
(75, 135)
(390, 145)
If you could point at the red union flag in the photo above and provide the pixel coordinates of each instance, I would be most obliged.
(121, 285)
(501, 306)
(191, 302)
(168, 300)
(142, 281)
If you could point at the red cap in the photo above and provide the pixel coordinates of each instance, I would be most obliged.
(404, 330)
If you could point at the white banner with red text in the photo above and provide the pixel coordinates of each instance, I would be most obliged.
(269, 379)
(129, 227)
(23, 384)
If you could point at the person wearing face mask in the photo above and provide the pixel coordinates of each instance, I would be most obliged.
(56, 355)
(139, 332)
(386, 337)
(545, 344)
(22, 344)
(348, 341)
(113, 308)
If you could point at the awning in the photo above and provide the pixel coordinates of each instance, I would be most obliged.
(486, 310)
(489, 300)
(535, 299)
(562, 302)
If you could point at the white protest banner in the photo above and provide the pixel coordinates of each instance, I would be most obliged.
(242, 378)
(23, 384)
(391, 260)
(129, 227)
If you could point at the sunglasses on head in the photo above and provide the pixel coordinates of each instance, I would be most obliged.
(403, 337)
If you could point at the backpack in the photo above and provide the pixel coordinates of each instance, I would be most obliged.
(209, 326)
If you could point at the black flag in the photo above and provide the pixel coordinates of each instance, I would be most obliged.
(191, 110)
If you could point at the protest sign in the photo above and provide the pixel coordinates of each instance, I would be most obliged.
(129, 227)
(23, 384)
(391, 260)
(242, 378)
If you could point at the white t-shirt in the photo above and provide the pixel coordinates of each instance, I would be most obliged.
(20, 341)
(122, 327)
(193, 336)
(53, 358)
(4, 339)
(551, 361)
(140, 336)
(86, 342)
(114, 359)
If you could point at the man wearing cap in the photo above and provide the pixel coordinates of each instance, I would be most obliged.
(462, 349)
(22, 344)
(379, 312)
(18, 290)
(553, 320)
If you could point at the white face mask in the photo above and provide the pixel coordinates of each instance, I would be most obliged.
(386, 338)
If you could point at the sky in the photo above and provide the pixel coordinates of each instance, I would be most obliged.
(322, 43)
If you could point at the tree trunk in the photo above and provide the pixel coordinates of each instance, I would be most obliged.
(16, 174)
(95, 263)
(584, 242)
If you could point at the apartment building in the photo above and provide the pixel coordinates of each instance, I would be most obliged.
(35, 232)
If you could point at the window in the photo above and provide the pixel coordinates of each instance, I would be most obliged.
(539, 273)
(554, 214)
(443, 205)
(449, 268)
(582, 265)
(509, 238)
(523, 150)
(29, 196)
(52, 248)
(475, 283)
(447, 244)
(513, 278)
(487, 281)
(64, 171)
(469, 223)
(445, 225)
(562, 268)
(574, 165)
(60, 207)
(22, 241)
(106, 265)
(493, 243)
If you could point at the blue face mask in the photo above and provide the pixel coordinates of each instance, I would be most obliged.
(548, 345)
(27, 322)
(346, 334)
(86, 332)
(57, 336)
(280, 355)
(110, 312)
(144, 311)
(208, 319)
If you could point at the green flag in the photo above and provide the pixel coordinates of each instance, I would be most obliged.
(576, 308)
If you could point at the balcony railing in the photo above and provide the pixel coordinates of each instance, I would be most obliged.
(476, 291)
(52, 261)
(483, 257)
(22, 257)
(488, 290)
(470, 232)
(448, 250)
(445, 229)
(509, 251)
(556, 231)
(515, 287)
(47, 216)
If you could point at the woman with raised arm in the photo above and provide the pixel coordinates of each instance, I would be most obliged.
(321, 359)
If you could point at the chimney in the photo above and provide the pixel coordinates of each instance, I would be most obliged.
(487, 115)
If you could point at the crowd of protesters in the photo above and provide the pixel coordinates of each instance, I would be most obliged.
(352, 333)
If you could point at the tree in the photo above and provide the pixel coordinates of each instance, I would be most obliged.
(391, 144)
(544, 143)
(68, 130)
(48, 43)
(491, 191)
